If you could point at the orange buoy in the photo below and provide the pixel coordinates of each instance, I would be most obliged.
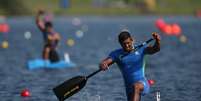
(176, 29)
(167, 29)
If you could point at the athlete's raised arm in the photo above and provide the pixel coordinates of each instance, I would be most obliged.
(156, 47)
(39, 21)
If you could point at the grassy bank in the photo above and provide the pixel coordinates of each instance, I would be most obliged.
(108, 7)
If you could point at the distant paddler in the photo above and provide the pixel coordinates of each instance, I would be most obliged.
(50, 36)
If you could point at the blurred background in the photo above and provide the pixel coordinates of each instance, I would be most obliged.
(89, 30)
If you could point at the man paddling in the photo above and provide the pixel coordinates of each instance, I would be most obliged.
(131, 64)
(51, 38)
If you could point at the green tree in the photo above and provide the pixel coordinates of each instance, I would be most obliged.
(13, 7)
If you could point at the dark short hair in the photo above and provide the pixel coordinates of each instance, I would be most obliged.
(48, 24)
(123, 36)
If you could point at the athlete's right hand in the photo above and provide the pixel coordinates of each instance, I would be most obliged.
(103, 66)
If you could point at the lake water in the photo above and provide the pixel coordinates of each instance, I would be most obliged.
(176, 68)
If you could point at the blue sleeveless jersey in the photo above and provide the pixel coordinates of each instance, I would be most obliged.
(45, 37)
(131, 66)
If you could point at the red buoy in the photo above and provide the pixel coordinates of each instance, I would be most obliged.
(1, 26)
(160, 24)
(25, 93)
(151, 82)
(5, 28)
(198, 13)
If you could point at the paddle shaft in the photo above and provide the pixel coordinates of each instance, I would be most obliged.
(146, 42)
(97, 71)
(92, 74)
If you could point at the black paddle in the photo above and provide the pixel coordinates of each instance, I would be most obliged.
(75, 84)
(71, 86)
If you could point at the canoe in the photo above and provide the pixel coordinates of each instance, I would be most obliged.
(40, 63)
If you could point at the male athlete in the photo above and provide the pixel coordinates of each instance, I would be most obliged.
(51, 38)
(131, 64)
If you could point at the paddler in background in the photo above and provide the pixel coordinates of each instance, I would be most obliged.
(51, 38)
(131, 64)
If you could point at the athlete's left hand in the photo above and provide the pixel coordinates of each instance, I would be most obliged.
(156, 36)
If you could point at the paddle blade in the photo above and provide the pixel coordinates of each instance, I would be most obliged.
(69, 87)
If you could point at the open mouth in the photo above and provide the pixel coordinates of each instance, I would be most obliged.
(128, 48)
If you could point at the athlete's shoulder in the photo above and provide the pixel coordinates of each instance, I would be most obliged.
(115, 54)
(117, 51)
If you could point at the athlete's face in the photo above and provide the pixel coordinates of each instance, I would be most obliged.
(127, 44)
(48, 29)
